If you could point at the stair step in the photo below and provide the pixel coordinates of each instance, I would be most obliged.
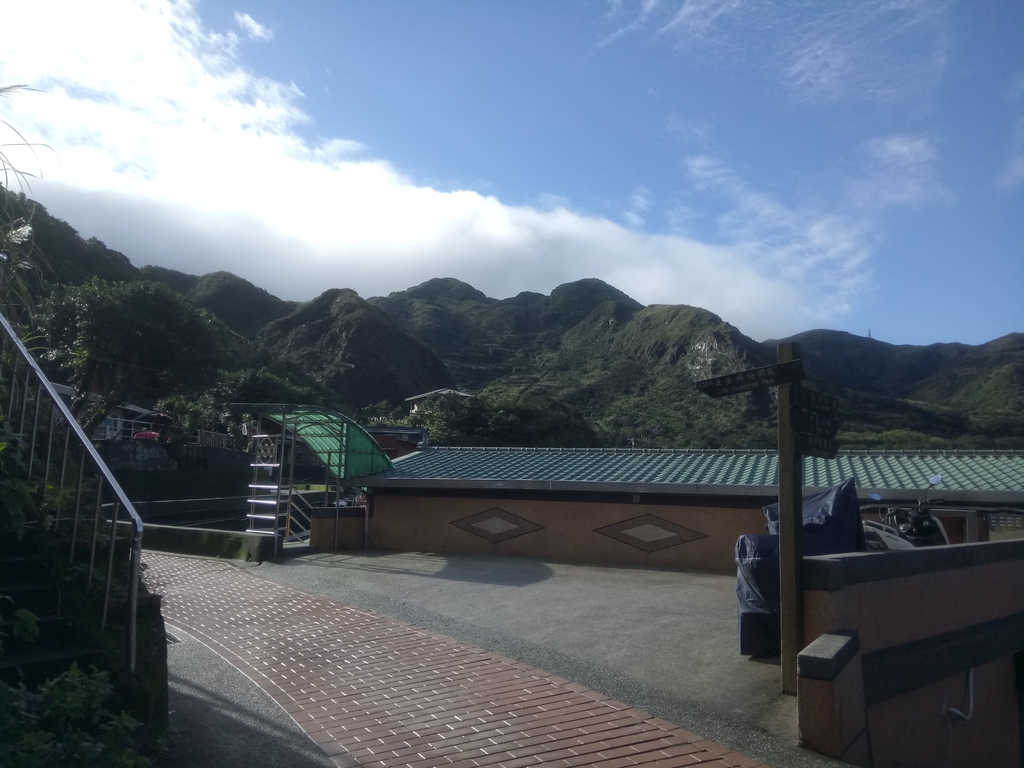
(263, 501)
(262, 517)
(53, 630)
(262, 531)
(29, 595)
(25, 586)
(264, 465)
(16, 568)
(33, 666)
(266, 487)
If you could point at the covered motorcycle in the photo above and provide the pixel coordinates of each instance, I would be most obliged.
(831, 525)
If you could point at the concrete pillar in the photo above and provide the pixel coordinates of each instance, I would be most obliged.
(832, 712)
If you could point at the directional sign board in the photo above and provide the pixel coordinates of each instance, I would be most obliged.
(813, 445)
(756, 378)
(809, 400)
(812, 423)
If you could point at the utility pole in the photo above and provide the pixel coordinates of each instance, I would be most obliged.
(791, 528)
(807, 426)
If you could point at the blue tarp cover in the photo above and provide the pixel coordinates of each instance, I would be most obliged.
(832, 525)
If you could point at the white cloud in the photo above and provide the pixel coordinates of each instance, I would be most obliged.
(175, 154)
(875, 50)
(252, 28)
(901, 172)
(819, 256)
(639, 202)
(698, 18)
(689, 131)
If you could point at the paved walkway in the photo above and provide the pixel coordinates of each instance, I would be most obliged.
(374, 692)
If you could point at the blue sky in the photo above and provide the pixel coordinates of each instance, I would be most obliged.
(788, 166)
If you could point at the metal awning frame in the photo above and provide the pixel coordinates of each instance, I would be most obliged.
(345, 448)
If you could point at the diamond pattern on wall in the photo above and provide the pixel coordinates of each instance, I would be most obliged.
(649, 533)
(496, 525)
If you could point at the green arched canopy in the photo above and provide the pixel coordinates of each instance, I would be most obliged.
(345, 447)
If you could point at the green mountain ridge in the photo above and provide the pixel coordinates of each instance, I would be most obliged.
(355, 349)
(587, 350)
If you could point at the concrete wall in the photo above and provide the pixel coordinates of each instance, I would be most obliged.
(567, 530)
(339, 529)
(920, 620)
(231, 545)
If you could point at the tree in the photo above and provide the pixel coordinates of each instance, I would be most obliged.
(128, 341)
(489, 419)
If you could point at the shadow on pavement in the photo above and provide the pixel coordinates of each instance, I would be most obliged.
(519, 573)
(218, 717)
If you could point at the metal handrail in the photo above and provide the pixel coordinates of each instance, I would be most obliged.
(106, 477)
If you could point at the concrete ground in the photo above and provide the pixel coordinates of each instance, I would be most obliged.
(663, 641)
(217, 714)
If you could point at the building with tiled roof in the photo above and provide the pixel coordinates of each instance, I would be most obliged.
(678, 508)
(969, 477)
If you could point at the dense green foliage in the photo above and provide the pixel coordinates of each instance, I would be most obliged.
(630, 370)
(128, 341)
(20, 271)
(239, 304)
(65, 724)
(65, 720)
(490, 419)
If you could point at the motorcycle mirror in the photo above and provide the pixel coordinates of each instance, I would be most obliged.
(875, 496)
(934, 480)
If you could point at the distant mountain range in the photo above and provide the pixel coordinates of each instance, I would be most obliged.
(627, 368)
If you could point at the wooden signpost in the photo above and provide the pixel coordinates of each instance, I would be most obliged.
(807, 427)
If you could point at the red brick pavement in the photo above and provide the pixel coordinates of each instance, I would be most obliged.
(375, 692)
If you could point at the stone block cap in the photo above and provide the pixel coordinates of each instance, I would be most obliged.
(827, 656)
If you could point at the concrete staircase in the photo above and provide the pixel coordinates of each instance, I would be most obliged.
(26, 583)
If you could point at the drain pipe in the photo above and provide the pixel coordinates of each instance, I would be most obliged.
(951, 713)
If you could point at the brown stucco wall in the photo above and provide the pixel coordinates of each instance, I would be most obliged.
(424, 524)
(899, 610)
(899, 604)
(349, 533)
(912, 730)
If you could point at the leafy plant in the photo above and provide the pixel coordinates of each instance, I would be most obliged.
(65, 723)
(20, 263)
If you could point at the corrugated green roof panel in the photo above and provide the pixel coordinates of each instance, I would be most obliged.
(892, 470)
(339, 442)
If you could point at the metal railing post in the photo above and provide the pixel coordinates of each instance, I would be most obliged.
(110, 562)
(63, 473)
(88, 451)
(35, 432)
(95, 531)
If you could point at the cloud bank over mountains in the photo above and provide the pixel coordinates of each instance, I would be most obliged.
(168, 148)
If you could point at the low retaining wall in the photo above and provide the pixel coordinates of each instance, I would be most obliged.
(337, 528)
(899, 639)
(232, 545)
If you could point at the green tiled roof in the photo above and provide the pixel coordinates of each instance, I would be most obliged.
(995, 475)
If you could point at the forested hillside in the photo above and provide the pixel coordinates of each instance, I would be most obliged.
(586, 365)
